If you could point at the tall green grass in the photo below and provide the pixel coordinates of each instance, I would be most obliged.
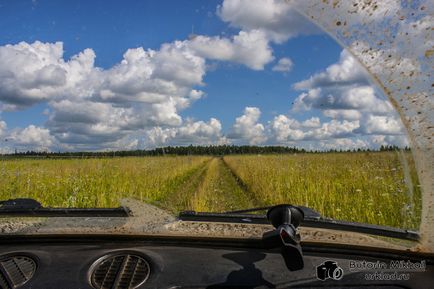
(94, 182)
(361, 187)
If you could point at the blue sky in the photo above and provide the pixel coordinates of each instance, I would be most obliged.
(244, 98)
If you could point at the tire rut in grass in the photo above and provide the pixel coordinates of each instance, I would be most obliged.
(248, 191)
(249, 194)
(220, 190)
(180, 199)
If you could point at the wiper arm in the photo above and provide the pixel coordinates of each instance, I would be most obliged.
(311, 219)
(308, 212)
(251, 210)
(32, 208)
(242, 216)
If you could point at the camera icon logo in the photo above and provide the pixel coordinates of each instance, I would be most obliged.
(329, 270)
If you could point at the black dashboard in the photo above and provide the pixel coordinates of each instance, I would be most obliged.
(75, 262)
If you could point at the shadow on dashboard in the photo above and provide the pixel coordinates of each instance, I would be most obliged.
(248, 273)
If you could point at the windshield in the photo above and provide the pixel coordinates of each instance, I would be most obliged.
(209, 106)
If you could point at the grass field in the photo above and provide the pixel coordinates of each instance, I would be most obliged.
(362, 187)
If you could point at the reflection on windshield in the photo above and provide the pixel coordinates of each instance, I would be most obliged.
(228, 106)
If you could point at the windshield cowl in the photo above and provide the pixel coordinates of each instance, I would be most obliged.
(148, 220)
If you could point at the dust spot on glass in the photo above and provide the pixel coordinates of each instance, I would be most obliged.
(429, 53)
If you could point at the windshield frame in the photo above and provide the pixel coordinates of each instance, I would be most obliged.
(411, 114)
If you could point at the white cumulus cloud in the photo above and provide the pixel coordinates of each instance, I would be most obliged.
(283, 65)
(249, 48)
(192, 132)
(344, 144)
(3, 127)
(349, 114)
(32, 138)
(277, 19)
(100, 107)
(347, 71)
(311, 122)
(382, 125)
(378, 140)
(333, 129)
(37, 72)
(285, 129)
(343, 92)
(247, 128)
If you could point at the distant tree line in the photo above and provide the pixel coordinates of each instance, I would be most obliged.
(196, 150)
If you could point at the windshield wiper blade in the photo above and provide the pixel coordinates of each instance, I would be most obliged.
(251, 210)
(311, 219)
(242, 216)
(32, 208)
(384, 231)
(308, 212)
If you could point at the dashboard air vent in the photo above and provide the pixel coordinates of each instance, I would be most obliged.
(15, 271)
(120, 271)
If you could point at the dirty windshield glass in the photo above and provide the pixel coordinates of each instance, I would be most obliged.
(209, 106)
